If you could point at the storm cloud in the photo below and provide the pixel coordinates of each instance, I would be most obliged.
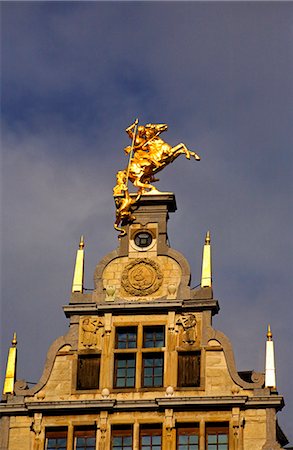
(74, 76)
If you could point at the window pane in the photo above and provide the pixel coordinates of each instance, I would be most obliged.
(56, 439)
(150, 438)
(122, 438)
(153, 337)
(187, 437)
(124, 370)
(152, 375)
(223, 438)
(85, 438)
(126, 337)
(217, 436)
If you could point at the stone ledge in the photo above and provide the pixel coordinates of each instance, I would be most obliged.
(196, 403)
(136, 306)
(200, 402)
(12, 409)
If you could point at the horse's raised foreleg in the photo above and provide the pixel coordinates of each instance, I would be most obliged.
(181, 148)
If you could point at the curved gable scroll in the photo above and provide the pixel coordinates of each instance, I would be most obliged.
(21, 388)
(258, 378)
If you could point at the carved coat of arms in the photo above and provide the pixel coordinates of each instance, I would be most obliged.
(142, 277)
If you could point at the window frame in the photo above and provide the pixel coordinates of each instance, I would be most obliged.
(182, 429)
(56, 433)
(152, 355)
(154, 329)
(126, 331)
(126, 357)
(152, 430)
(139, 353)
(84, 431)
(214, 429)
(124, 431)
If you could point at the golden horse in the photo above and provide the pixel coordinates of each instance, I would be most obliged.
(149, 154)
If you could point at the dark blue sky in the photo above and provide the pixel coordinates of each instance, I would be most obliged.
(73, 76)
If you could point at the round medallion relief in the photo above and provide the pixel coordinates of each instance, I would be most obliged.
(142, 277)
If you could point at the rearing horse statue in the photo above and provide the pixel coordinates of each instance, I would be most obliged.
(149, 154)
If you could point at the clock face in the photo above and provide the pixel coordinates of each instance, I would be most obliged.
(143, 239)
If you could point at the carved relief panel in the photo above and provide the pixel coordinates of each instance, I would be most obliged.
(91, 331)
(188, 328)
(133, 279)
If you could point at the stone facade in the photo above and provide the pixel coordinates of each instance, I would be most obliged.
(141, 362)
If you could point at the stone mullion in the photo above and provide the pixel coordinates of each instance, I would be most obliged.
(231, 437)
(170, 352)
(37, 434)
(169, 432)
(202, 434)
(107, 363)
(136, 436)
(241, 430)
(70, 436)
(102, 431)
(138, 356)
(235, 427)
(97, 435)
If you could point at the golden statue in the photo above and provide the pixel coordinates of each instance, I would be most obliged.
(148, 154)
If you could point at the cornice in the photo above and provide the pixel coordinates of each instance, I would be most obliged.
(137, 306)
(111, 405)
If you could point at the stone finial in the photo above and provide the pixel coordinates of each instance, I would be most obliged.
(77, 284)
(269, 333)
(81, 242)
(10, 375)
(14, 340)
(206, 271)
(270, 371)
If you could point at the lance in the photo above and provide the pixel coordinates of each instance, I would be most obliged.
(131, 150)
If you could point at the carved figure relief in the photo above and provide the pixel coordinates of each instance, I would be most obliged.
(188, 322)
(142, 277)
(90, 328)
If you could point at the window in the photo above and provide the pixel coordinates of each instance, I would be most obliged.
(126, 337)
(121, 438)
(88, 372)
(56, 439)
(217, 437)
(187, 437)
(85, 438)
(125, 362)
(139, 346)
(150, 438)
(188, 369)
(124, 370)
(152, 370)
(153, 337)
(153, 363)
(143, 239)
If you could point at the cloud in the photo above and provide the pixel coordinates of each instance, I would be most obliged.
(220, 74)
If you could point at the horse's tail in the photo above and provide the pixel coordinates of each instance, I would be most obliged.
(122, 232)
